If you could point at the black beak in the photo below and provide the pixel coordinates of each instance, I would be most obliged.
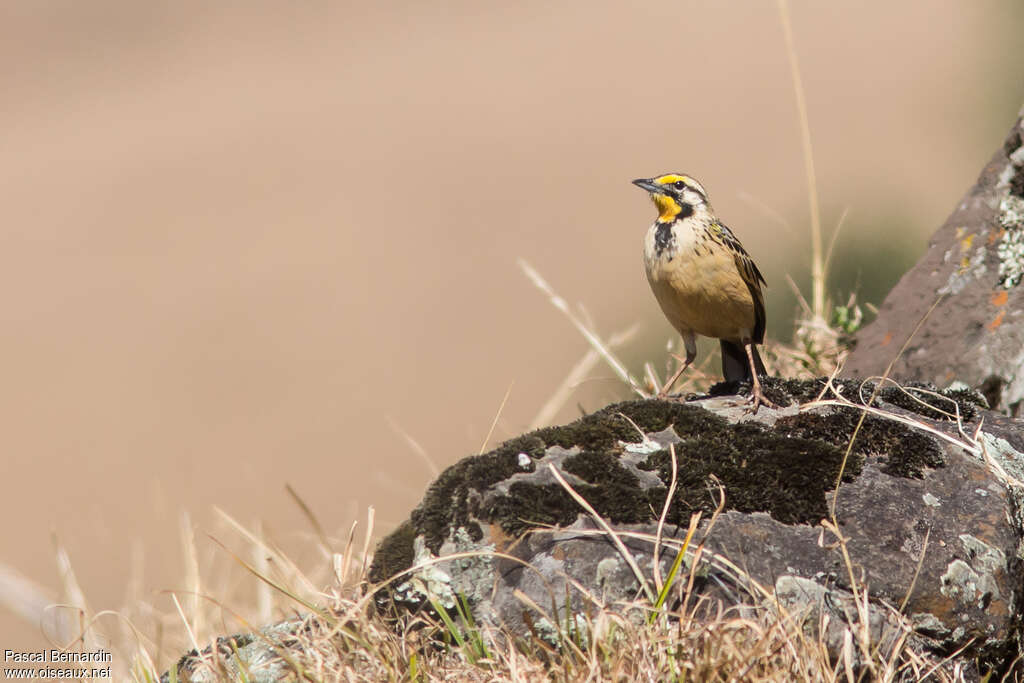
(650, 186)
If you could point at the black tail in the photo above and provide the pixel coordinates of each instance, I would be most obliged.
(735, 366)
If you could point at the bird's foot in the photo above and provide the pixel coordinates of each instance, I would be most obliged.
(757, 399)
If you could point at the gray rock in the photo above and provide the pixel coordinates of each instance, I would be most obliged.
(930, 517)
(976, 261)
(249, 657)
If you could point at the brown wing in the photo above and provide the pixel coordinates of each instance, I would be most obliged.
(751, 276)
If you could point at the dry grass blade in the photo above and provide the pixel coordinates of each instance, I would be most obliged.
(281, 560)
(592, 338)
(835, 238)
(30, 601)
(264, 599)
(368, 538)
(193, 577)
(576, 376)
(878, 412)
(497, 416)
(867, 406)
(416, 447)
(284, 590)
(73, 593)
(817, 256)
(917, 571)
(188, 627)
(311, 518)
(664, 513)
(614, 536)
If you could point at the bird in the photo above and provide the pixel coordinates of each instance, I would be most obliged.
(704, 280)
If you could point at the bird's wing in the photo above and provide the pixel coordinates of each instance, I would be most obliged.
(751, 276)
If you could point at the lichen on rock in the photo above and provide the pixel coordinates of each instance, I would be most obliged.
(915, 510)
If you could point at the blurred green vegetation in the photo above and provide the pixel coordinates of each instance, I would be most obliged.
(875, 247)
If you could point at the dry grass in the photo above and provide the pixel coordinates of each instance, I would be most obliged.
(344, 639)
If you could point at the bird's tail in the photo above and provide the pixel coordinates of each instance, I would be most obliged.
(735, 366)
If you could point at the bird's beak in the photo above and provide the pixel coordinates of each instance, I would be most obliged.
(649, 185)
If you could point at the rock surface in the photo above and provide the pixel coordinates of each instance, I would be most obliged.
(928, 510)
(975, 262)
(249, 657)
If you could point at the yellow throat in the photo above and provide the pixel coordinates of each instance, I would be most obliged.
(668, 209)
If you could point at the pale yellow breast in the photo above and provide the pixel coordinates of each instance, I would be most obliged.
(699, 288)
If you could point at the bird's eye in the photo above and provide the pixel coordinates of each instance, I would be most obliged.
(679, 184)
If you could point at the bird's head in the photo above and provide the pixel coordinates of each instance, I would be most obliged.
(675, 195)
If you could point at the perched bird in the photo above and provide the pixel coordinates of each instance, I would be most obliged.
(704, 280)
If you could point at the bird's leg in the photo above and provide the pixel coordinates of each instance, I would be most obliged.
(672, 380)
(757, 397)
(690, 342)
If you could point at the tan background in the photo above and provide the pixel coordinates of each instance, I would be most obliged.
(237, 241)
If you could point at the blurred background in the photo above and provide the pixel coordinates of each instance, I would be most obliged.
(262, 243)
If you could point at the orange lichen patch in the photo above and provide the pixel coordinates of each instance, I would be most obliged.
(998, 320)
(1000, 298)
(887, 339)
(995, 235)
(502, 541)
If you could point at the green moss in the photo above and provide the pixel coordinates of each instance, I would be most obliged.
(530, 505)
(600, 468)
(785, 471)
(937, 408)
(741, 457)
(603, 430)
(760, 470)
(788, 391)
(782, 392)
(530, 444)
(394, 554)
(907, 451)
(612, 490)
(597, 432)
(449, 502)
(655, 416)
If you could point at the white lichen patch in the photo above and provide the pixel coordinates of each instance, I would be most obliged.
(645, 447)
(986, 557)
(1010, 249)
(971, 268)
(974, 583)
(443, 581)
(429, 581)
(606, 571)
(960, 582)
(928, 623)
(473, 574)
(1005, 455)
(579, 630)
